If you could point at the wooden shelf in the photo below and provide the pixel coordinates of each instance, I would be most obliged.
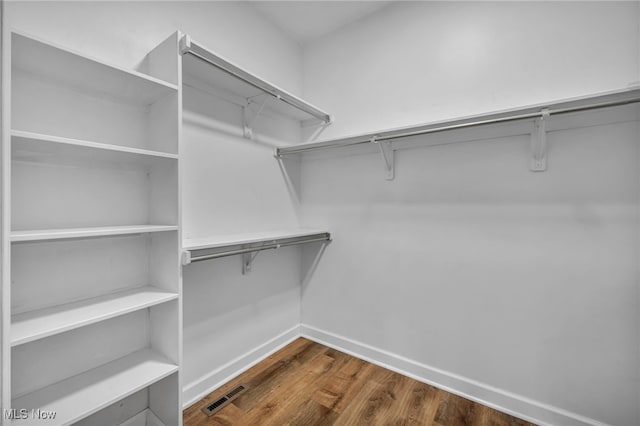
(80, 396)
(63, 66)
(36, 147)
(202, 65)
(248, 238)
(93, 232)
(29, 326)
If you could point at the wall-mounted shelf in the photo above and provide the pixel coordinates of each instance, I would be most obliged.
(93, 232)
(538, 113)
(201, 64)
(228, 240)
(80, 396)
(248, 244)
(29, 326)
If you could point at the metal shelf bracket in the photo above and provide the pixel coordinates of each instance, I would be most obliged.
(388, 156)
(539, 142)
(247, 261)
(249, 116)
(248, 258)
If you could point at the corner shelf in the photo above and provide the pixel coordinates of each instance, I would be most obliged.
(80, 396)
(63, 66)
(29, 326)
(92, 232)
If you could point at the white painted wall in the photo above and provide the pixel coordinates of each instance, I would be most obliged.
(228, 183)
(416, 62)
(513, 287)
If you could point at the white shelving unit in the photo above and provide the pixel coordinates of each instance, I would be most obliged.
(91, 284)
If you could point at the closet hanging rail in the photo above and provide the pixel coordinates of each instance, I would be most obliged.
(188, 46)
(605, 100)
(271, 246)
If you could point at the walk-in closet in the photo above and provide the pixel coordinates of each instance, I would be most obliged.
(320, 213)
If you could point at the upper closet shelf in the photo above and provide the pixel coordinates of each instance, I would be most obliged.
(535, 112)
(204, 65)
(62, 66)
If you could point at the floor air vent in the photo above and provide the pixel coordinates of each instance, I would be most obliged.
(217, 405)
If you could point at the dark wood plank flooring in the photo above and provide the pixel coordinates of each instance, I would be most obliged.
(306, 383)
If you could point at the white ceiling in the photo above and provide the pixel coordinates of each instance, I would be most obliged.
(306, 21)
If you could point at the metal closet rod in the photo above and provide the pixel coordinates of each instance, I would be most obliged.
(325, 237)
(204, 55)
(391, 135)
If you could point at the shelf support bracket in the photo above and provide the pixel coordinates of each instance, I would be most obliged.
(249, 117)
(248, 258)
(247, 261)
(539, 143)
(388, 156)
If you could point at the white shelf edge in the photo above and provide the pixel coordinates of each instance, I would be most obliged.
(100, 62)
(89, 232)
(30, 326)
(361, 138)
(84, 394)
(88, 144)
(248, 238)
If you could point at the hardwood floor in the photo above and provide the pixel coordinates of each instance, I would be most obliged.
(306, 383)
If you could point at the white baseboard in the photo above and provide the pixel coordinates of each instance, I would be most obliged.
(516, 405)
(195, 391)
